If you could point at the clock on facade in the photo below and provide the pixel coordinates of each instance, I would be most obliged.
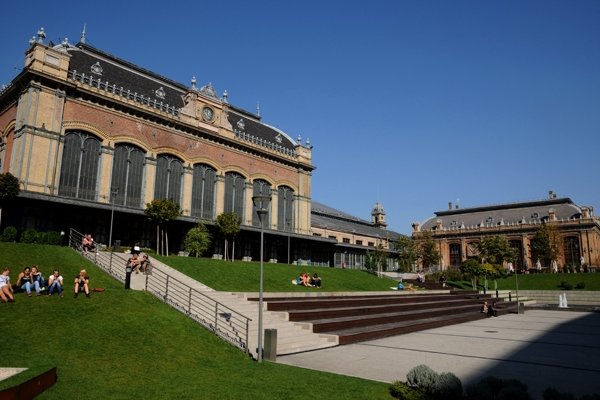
(207, 114)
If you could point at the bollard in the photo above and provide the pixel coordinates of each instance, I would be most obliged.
(127, 276)
(522, 308)
(117, 246)
(270, 348)
(509, 296)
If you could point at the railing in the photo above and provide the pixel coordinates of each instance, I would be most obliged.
(225, 322)
(214, 315)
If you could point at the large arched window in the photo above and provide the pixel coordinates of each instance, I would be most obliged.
(455, 254)
(169, 173)
(128, 175)
(234, 193)
(259, 188)
(571, 250)
(285, 209)
(203, 192)
(79, 167)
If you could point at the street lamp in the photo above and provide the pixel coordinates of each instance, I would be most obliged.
(113, 193)
(288, 223)
(261, 203)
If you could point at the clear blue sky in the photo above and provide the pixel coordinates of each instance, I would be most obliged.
(412, 104)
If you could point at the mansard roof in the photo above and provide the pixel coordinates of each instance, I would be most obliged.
(504, 214)
(325, 217)
(121, 74)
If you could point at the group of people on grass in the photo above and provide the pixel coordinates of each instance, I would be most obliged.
(31, 280)
(304, 279)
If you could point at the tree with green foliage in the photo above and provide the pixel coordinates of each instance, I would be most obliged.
(496, 250)
(161, 211)
(427, 250)
(405, 246)
(229, 225)
(474, 269)
(545, 245)
(197, 240)
(375, 260)
(9, 188)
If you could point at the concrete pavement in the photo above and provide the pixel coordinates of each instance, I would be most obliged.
(540, 348)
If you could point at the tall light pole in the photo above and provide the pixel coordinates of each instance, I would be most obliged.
(289, 223)
(113, 193)
(261, 203)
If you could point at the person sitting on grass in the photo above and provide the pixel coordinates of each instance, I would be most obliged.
(315, 281)
(305, 279)
(38, 279)
(55, 283)
(82, 283)
(25, 282)
(6, 290)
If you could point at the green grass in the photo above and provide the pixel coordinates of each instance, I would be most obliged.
(539, 282)
(128, 345)
(239, 276)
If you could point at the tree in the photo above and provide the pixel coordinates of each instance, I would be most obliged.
(496, 250)
(405, 246)
(229, 225)
(427, 250)
(472, 268)
(374, 260)
(161, 211)
(197, 240)
(9, 188)
(545, 245)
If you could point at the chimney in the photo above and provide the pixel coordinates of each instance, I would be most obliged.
(450, 206)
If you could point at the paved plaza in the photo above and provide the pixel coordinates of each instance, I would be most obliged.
(541, 348)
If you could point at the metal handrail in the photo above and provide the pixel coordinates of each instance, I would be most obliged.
(223, 321)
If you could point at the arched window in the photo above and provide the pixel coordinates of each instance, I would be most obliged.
(285, 209)
(571, 250)
(203, 192)
(169, 173)
(455, 254)
(234, 193)
(259, 188)
(128, 175)
(79, 167)
(6, 150)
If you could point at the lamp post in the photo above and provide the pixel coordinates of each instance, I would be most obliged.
(288, 223)
(113, 193)
(261, 203)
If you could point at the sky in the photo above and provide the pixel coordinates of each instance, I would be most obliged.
(412, 104)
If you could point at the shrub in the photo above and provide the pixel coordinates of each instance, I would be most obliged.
(580, 285)
(492, 388)
(9, 234)
(422, 377)
(566, 285)
(30, 236)
(53, 237)
(448, 387)
(553, 394)
(399, 390)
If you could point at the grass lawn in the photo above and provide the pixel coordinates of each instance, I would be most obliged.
(128, 345)
(539, 282)
(239, 276)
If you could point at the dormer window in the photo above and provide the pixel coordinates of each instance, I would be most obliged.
(453, 223)
(535, 216)
(489, 220)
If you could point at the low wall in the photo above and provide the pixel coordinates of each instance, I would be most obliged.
(574, 297)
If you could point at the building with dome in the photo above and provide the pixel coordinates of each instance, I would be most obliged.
(88, 134)
(457, 231)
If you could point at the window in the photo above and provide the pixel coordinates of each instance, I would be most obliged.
(128, 175)
(169, 173)
(332, 237)
(285, 209)
(455, 254)
(346, 240)
(359, 242)
(259, 188)
(203, 192)
(571, 250)
(371, 244)
(79, 167)
(234, 193)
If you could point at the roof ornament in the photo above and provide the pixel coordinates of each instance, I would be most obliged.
(225, 96)
(299, 140)
(82, 39)
(208, 90)
(308, 142)
(41, 35)
(32, 40)
(241, 125)
(257, 109)
(96, 68)
(160, 93)
(193, 83)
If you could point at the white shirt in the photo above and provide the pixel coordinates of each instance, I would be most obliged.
(57, 278)
(4, 280)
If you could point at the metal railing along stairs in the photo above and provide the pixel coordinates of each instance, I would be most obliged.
(228, 324)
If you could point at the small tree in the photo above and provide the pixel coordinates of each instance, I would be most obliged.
(473, 269)
(229, 225)
(161, 211)
(545, 245)
(407, 253)
(374, 260)
(9, 188)
(496, 249)
(197, 240)
(427, 250)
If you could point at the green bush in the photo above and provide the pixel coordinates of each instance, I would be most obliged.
(399, 390)
(566, 285)
(422, 377)
(30, 236)
(9, 234)
(52, 237)
(448, 387)
(580, 285)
